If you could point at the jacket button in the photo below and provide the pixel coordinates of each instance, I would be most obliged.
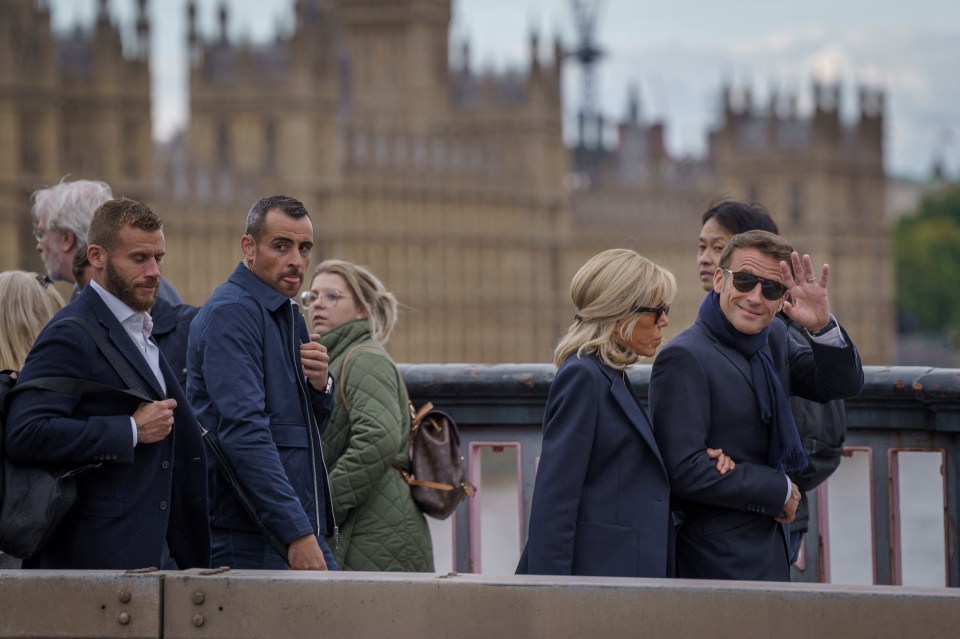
(165, 465)
(163, 505)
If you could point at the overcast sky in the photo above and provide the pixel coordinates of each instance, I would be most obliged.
(677, 53)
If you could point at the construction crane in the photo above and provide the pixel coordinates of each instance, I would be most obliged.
(587, 54)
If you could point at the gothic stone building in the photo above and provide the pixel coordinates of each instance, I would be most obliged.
(455, 187)
(77, 104)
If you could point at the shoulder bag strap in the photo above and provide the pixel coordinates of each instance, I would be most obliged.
(111, 353)
(342, 382)
(74, 386)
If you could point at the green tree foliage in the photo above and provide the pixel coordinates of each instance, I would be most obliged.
(927, 252)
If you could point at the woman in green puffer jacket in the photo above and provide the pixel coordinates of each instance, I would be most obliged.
(381, 527)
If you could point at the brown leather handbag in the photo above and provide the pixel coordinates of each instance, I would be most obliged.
(436, 476)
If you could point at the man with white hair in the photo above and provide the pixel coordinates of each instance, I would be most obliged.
(61, 217)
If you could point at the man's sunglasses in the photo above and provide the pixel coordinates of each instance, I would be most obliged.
(746, 282)
(659, 311)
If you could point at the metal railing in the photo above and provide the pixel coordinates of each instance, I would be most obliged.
(888, 516)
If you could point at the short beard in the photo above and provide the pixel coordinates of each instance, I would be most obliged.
(125, 291)
(53, 261)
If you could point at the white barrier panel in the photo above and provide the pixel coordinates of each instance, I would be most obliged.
(496, 508)
(848, 526)
(920, 526)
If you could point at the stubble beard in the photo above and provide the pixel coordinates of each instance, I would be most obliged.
(277, 284)
(126, 292)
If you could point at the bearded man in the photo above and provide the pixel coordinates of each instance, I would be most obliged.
(142, 498)
(257, 379)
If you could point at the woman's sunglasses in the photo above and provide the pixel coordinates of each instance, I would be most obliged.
(746, 282)
(659, 311)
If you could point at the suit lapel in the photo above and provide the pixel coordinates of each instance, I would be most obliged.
(119, 337)
(631, 407)
(738, 360)
(730, 354)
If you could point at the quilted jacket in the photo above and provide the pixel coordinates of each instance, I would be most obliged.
(381, 527)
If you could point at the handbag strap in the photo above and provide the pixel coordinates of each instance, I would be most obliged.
(410, 481)
(342, 382)
(111, 353)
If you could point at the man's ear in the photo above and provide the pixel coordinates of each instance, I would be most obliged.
(718, 280)
(68, 240)
(96, 255)
(248, 246)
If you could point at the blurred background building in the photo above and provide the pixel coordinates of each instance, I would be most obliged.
(456, 187)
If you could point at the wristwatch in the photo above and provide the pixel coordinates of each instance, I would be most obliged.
(826, 329)
(329, 387)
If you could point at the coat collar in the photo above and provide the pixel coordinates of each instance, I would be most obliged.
(258, 289)
(630, 404)
(346, 336)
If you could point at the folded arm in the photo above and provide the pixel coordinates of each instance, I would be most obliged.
(682, 407)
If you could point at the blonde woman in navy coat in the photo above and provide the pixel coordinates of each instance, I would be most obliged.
(601, 501)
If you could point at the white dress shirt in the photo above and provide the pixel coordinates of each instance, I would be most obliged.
(138, 326)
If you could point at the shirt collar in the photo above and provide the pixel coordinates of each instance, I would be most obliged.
(119, 309)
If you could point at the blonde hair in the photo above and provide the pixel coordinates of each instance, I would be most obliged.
(379, 304)
(606, 290)
(26, 308)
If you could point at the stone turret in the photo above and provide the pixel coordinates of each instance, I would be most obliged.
(143, 29)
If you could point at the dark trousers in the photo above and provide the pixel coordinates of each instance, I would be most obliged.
(250, 550)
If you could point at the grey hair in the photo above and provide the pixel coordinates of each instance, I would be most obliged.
(70, 205)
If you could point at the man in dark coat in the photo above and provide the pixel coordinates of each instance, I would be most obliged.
(724, 383)
(255, 378)
(822, 426)
(143, 503)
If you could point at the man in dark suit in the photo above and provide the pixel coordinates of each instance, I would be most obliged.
(822, 426)
(724, 383)
(142, 499)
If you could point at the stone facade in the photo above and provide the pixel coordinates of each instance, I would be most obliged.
(454, 186)
(78, 105)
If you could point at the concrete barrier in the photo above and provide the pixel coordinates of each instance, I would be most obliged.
(247, 604)
(62, 603)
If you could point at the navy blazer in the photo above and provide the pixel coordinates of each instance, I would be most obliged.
(140, 497)
(701, 395)
(601, 498)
